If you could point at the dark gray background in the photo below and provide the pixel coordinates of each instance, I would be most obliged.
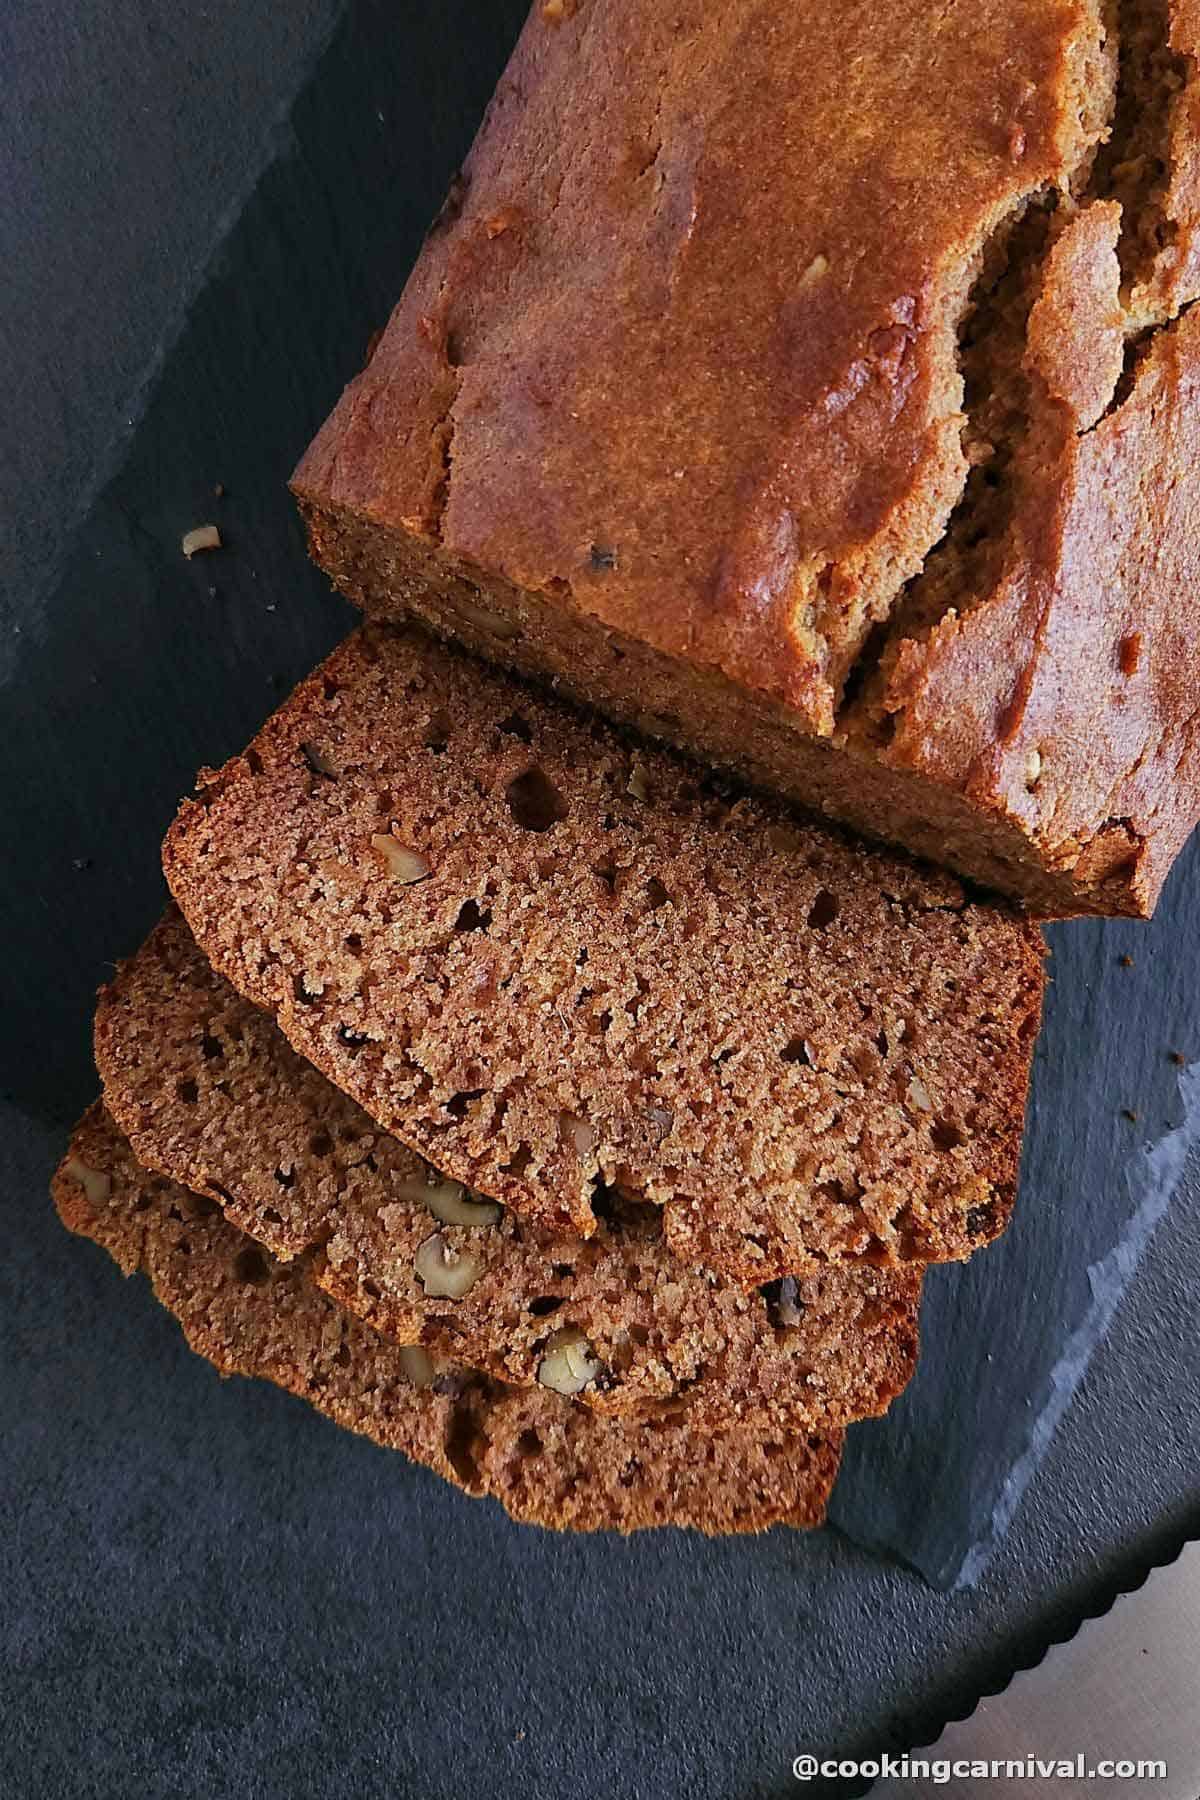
(207, 1591)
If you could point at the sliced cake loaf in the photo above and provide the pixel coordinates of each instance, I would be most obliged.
(209, 1093)
(827, 397)
(547, 1460)
(548, 959)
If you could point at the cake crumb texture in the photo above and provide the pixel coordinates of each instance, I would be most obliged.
(615, 974)
(547, 1460)
(210, 1094)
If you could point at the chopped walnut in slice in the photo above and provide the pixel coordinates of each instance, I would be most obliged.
(569, 1363)
(446, 1273)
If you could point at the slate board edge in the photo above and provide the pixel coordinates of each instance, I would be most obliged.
(1154, 1177)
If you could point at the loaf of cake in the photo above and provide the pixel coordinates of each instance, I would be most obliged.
(555, 964)
(815, 388)
(546, 1459)
(209, 1093)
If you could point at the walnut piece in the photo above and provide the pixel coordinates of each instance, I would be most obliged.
(452, 1203)
(201, 537)
(569, 1363)
(94, 1182)
(445, 1273)
(402, 864)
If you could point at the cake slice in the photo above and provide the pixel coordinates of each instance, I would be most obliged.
(554, 962)
(210, 1094)
(548, 1461)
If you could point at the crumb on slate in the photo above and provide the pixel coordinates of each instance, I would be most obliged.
(201, 537)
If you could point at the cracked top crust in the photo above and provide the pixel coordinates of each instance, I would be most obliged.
(747, 233)
(1056, 681)
(1066, 694)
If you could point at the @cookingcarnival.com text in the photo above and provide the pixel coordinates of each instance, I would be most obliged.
(942, 1770)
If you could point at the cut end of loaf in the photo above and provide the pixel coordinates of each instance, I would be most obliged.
(647, 968)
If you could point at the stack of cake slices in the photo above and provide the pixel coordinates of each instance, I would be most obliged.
(532, 1102)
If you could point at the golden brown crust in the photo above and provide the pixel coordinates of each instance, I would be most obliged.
(548, 1461)
(807, 1052)
(1075, 340)
(688, 421)
(209, 1093)
(789, 444)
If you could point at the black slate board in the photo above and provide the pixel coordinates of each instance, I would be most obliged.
(199, 1534)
